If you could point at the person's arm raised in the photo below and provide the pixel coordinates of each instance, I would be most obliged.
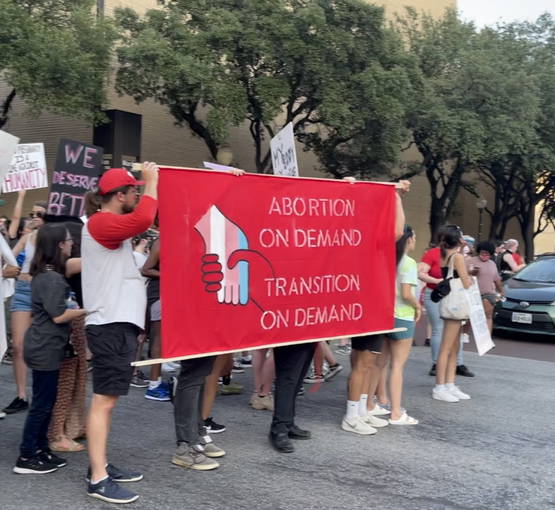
(402, 189)
(150, 176)
(16, 215)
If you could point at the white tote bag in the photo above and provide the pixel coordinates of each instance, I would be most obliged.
(454, 306)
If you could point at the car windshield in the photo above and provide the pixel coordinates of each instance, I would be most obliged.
(541, 270)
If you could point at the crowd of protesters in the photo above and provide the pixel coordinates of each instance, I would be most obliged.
(87, 295)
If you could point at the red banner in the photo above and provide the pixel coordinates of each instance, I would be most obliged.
(259, 260)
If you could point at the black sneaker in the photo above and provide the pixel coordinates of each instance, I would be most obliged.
(237, 368)
(33, 466)
(432, 371)
(50, 458)
(246, 362)
(110, 491)
(17, 405)
(427, 342)
(212, 427)
(119, 475)
(464, 371)
(139, 380)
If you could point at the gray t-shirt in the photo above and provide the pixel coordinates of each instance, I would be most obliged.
(45, 341)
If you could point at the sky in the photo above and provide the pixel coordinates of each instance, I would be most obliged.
(489, 12)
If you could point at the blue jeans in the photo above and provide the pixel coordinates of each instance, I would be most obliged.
(45, 388)
(432, 310)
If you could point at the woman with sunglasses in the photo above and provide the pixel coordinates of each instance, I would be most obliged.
(20, 309)
(46, 345)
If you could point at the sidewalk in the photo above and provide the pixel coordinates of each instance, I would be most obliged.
(493, 452)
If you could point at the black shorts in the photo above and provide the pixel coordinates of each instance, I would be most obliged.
(372, 343)
(114, 347)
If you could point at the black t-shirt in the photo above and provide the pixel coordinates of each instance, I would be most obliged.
(153, 288)
(45, 341)
(75, 284)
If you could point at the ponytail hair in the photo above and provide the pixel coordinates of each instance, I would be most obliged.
(449, 237)
(401, 244)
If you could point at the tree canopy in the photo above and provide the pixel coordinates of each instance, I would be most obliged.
(56, 55)
(330, 68)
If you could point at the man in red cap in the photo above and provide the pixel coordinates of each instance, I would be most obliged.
(115, 297)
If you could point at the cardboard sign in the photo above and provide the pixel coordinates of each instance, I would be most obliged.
(8, 146)
(77, 170)
(284, 155)
(308, 259)
(27, 169)
(478, 320)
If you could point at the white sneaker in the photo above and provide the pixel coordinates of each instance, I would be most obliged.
(378, 411)
(170, 366)
(374, 421)
(357, 426)
(461, 395)
(444, 394)
(2, 414)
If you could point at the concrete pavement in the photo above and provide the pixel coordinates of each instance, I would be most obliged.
(492, 452)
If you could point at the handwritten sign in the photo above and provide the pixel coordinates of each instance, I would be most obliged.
(284, 155)
(27, 169)
(478, 320)
(77, 170)
(8, 146)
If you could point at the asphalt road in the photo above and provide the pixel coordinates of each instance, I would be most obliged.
(492, 452)
(541, 348)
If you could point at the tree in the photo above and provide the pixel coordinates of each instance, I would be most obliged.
(519, 155)
(444, 124)
(330, 68)
(56, 56)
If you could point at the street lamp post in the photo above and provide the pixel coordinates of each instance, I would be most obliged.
(481, 204)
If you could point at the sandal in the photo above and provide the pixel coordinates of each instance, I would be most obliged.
(405, 419)
(66, 445)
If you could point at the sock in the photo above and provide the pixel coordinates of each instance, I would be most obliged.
(440, 386)
(154, 384)
(449, 385)
(352, 409)
(363, 405)
(94, 482)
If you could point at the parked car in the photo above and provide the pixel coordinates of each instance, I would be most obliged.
(530, 303)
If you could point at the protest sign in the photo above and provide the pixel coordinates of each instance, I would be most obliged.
(284, 155)
(216, 166)
(27, 169)
(478, 320)
(8, 146)
(308, 259)
(77, 169)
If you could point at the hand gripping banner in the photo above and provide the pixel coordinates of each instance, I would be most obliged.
(259, 260)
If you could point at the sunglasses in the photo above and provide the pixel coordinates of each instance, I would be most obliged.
(36, 214)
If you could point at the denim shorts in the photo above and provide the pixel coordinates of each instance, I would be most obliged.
(21, 300)
(402, 335)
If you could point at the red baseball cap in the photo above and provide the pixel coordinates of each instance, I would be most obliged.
(116, 178)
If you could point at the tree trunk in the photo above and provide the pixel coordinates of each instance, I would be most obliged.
(6, 107)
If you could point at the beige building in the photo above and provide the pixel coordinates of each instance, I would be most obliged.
(162, 141)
